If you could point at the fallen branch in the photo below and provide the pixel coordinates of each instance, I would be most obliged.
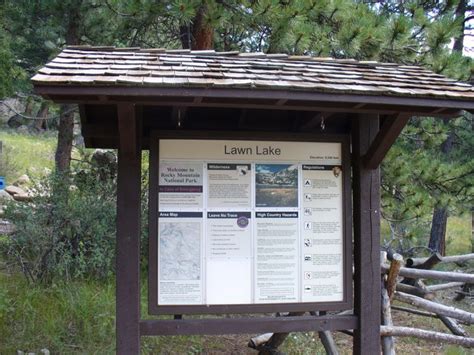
(458, 259)
(465, 292)
(445, 286)
(388, 343)
(435, 307)
(328, 342)
(268, 343)
(427, 335)
(259, 340)
(430, 274)
(414, 311)
(416, 291)
(453, 326)
(425, 263)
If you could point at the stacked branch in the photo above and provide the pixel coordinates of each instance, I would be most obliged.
(405, 284)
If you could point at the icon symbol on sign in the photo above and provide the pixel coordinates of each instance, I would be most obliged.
(307, 211)
(308, 225)
(308, 198)
(308, 243)
(307, 275)
(307, 183)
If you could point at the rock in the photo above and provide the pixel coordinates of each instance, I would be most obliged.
(44, 351)
(24, 197)
(16, 121)
(5, 112)
(5, 196)
(14, 190)
(2, 211)
(22, 180)
(23, 129)
(19, 352)
(6, 227)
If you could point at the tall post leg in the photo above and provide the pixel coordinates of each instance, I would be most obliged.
(128, 232)
(366, 187)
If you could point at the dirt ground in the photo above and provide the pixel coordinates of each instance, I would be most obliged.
(308, 343)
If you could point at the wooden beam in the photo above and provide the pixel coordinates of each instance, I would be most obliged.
(128, 232)
(367, 280)
(241, 93)
(385, 138)
(246, 325)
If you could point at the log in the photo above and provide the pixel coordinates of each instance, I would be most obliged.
(414, 311)
(416, 291)
(328, 342)
(435, 307)
(465, 292)
(274, 340)
(347, 332)
(427, 335)
(388, 344)
(435, 275)
(453, 326)
(458, 259)
(444, 286)
(395, 265)
(425, 263)
(259, 340)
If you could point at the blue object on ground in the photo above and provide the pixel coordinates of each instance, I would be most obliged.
(2, 182)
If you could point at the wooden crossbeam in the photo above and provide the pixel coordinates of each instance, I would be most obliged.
(218, 326)
(385, 138)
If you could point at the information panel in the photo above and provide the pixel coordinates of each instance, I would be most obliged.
(249, 222)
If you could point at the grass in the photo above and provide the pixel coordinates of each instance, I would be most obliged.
(79, 317)
(458, 235)
(26, 154)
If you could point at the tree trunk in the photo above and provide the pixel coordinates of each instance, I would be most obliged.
(437, 241)
(202, 31)
(41, 116)
(185, 36)
(65, 138)
(66, 119)
(458, 45)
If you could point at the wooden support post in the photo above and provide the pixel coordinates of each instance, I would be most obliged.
(395, 265)
(128, 232)
(366, 187)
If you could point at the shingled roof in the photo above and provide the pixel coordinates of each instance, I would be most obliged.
(108, 66)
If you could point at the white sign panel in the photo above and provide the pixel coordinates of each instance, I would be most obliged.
(247, 222)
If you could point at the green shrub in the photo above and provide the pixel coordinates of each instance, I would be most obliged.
(67, 230)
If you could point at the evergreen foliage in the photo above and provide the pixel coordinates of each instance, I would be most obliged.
(419, 175)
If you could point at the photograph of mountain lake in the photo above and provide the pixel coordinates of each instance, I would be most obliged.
(276, 185)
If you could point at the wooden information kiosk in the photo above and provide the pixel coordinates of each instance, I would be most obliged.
(264, 181)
